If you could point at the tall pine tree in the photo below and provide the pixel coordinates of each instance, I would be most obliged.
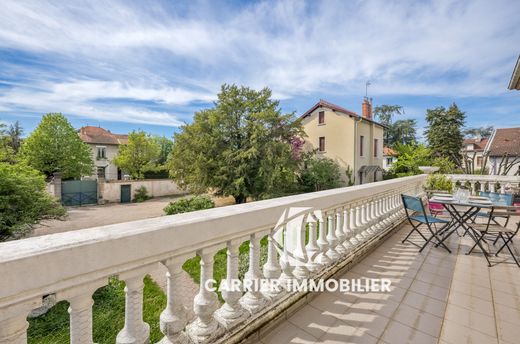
(444, 132)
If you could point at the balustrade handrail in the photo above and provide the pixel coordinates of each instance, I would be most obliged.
(33, 267)
(483, 177)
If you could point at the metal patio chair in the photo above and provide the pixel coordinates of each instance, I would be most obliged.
(493, 228)
(418, 217)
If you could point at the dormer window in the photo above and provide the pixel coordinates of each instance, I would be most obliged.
(321, 117)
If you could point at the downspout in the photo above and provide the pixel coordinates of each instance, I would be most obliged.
(356, 148)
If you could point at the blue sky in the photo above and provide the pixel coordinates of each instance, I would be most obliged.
(150, 65)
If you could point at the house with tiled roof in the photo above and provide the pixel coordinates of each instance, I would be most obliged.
(354, 141)
(389, 157)
(503, 152)
(105, 147)
(473, 154)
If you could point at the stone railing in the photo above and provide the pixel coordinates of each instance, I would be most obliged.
(477, 182)
(73, 265)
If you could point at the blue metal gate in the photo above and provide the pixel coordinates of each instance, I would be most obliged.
(79, 192)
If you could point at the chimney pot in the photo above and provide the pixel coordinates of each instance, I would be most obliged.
(366, 108)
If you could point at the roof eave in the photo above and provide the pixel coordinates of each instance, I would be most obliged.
(514, 83)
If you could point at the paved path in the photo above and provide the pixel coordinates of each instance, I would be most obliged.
(436, 297)
(100, 215)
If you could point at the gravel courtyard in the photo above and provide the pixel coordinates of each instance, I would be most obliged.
(100, 215)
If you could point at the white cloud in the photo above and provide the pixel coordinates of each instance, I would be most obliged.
(175, 56)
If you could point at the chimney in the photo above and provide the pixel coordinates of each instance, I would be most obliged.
(366, 108)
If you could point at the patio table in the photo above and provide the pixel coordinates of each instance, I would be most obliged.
(461, 212)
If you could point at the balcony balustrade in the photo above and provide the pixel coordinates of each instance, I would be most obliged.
(490, 183)
(308, 235)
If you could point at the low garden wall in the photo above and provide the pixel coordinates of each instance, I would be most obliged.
(110, 191)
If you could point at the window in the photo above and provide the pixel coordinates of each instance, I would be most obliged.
(101, 152)
(321, 117)
(479, 161)
(361, 142)
(389, 161)
(376, 141)
(322, 144)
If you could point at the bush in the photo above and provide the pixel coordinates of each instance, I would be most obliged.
(141, 195)
(23, 200)
(189, 204)
(319, 173)
(438, 182)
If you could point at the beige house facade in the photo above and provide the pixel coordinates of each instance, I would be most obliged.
(355, 142)
(105, 147)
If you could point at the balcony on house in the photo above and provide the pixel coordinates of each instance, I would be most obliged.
(345, 233)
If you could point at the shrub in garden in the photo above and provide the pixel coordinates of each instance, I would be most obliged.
(141, 194)
(23, 200)
(438, 182)
(189, 204)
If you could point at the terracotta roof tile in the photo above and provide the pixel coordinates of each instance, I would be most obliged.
(90, 134)
(389, 151)
(505, 141)
(478, 144)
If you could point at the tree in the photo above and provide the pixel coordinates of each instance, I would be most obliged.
(15, 136)
(165, 147)
(240, 147)
(139, 155)
(403, 132)
(54, 146)
(384, 114)
(444, 132)
(318, 173)
(6, 152)
(23, 199)
(476, 132)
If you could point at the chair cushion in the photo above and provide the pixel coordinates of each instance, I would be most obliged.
(431, 219)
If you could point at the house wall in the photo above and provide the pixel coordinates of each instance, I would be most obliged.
(338, 131)
(342, 141)
(494, 163)
(387, 166)
(111, 190)
(110, 167)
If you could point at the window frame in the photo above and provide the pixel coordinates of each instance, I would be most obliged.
(101, 149)
(376, 143)
(321, 144)
(361, 145)
(321, 117)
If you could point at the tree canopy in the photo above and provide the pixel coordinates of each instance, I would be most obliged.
(480, 131)
(241, 147)
(141, 154)
(384, 114)
(54, 146)
(402, 132)
(444, 132)
(318, 173)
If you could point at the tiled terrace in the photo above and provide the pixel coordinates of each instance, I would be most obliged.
(436, 297)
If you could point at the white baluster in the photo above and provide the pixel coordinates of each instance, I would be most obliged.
(272, 269)
(80, 310)
(253, 301)
(473, 189)
(231, 313)
(13, 322)
(174, 317)
(205, 328)
(492, 186)
(332, 253)
(359, 224)
(312, 247)
(347, 244)
(482, 186)
(135, 331)
(340, 235)
(364, 221)
(323, 259)
(353, 227)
